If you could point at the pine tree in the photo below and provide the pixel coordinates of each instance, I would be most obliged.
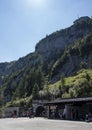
(63, 83)
(40, 78)
(35, 91)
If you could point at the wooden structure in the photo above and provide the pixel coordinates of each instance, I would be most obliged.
(71, 108)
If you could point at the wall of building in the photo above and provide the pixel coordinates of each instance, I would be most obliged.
(11, 112)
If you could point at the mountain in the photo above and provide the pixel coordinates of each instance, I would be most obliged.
(74, 58)
(63, 52)
(61, 39)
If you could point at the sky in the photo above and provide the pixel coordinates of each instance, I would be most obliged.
(23, 23)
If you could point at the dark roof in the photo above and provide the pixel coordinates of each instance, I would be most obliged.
(69, 100)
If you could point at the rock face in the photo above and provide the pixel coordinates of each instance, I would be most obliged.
(65, 37)
(72, 65)
(82, 19)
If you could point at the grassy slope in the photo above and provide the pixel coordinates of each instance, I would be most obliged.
(75, 86)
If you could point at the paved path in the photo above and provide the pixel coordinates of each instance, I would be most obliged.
(42, 124)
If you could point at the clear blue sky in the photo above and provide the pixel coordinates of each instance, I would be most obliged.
(24, 22)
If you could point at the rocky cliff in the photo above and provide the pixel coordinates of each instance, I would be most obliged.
(61, 39)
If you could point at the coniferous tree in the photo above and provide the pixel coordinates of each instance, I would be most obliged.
(35, 91)
(62, 83)
(40, 78)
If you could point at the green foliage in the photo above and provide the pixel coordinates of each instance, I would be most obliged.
(63, 82)
(35, 91)
(85, 45)
(79, 85)
(40, 78)
(24, 87)
(23, 102)
(83, 65)
(81, 48)
(60, 62)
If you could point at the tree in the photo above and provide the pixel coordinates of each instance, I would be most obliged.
(62, 83)
(47, 92)
(62, 86)
(35, 91)
(60, 91)
(40, 78)
(83, 65)
(87, 76)
(20, 91)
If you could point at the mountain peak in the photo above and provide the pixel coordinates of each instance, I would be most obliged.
(62, 38)
(82, 19)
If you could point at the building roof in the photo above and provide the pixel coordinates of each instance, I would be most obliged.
(70, 100)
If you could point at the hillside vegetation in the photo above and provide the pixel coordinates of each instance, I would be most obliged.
(75, 57)
(79, 85)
